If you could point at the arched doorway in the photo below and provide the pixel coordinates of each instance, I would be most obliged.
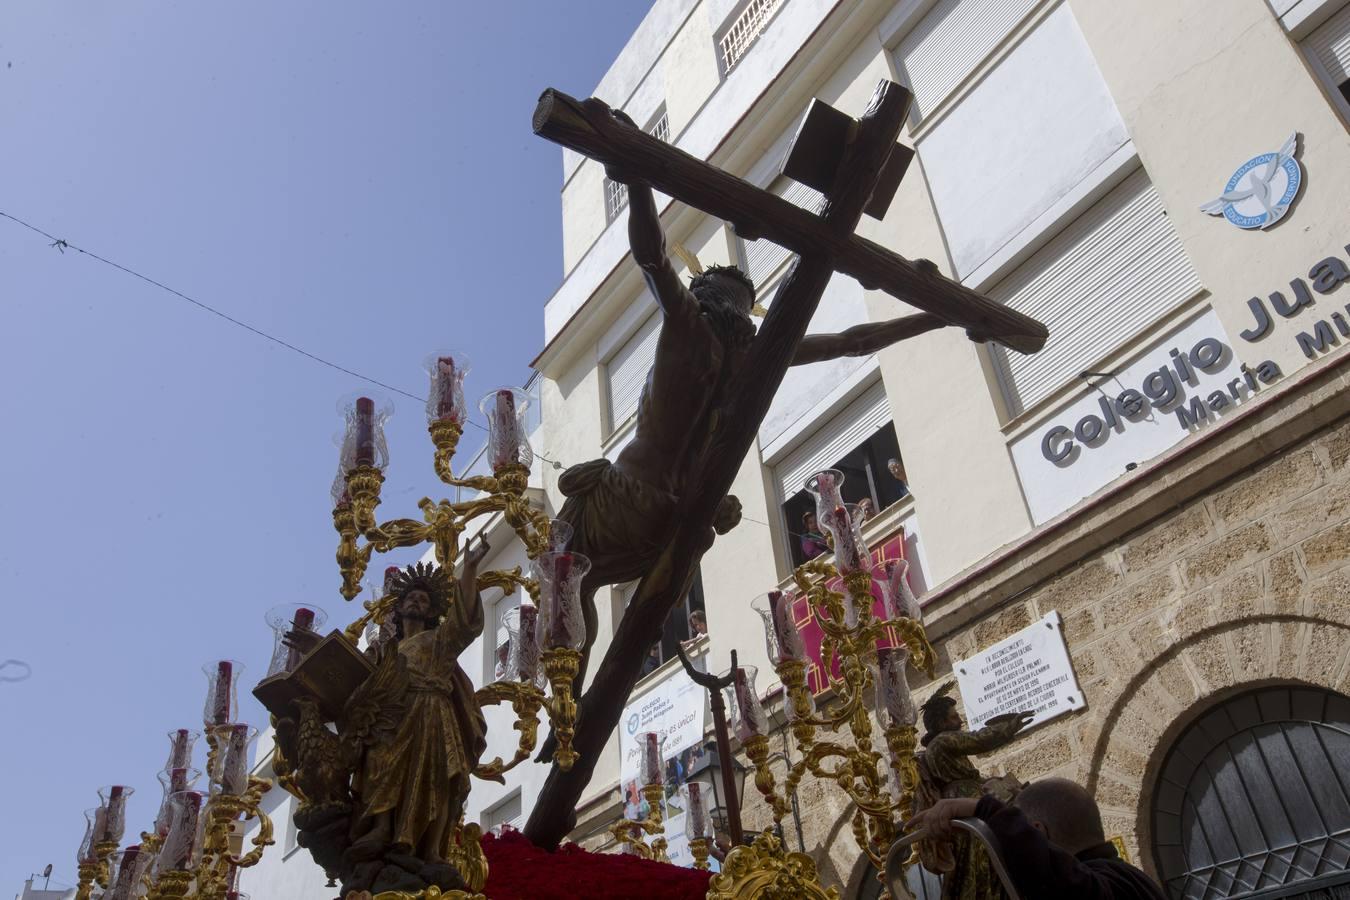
(1253, 799)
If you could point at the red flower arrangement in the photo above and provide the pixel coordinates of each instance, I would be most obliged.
(518, 870)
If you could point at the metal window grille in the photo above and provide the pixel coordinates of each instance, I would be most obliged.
(661, 129)
(1254, 799)
(616, 198)
(616, 193)
(744, 30)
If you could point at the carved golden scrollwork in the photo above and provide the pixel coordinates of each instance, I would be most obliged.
(764, 871)
(630, 832)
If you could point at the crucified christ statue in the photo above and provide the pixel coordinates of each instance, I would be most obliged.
(622, 512)
(653, 512)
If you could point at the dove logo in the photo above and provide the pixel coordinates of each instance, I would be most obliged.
(1260, 191)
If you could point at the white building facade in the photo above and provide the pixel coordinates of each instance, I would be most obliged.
(1064, 152)
(1169, 475)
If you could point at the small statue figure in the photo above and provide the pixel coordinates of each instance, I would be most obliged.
(945, 771)
(407, 742)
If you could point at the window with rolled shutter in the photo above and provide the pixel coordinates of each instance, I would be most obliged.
(834, 439)
(1106, 277)
(626, 371)
(1329, 49)
(950, 42)
(762, 258)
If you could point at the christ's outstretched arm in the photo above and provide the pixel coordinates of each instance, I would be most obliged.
(863, 340)
(649, 252)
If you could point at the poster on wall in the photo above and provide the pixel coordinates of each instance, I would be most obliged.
(674, 709)
(1029, 670)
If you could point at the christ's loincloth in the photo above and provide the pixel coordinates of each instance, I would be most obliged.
(622, 524)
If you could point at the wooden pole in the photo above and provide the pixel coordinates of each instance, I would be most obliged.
(714, 686)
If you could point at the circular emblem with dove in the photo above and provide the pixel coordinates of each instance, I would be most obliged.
(1260, 191)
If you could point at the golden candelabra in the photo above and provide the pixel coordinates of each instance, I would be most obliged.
(443, 524)
(630, 832)
(850, 760)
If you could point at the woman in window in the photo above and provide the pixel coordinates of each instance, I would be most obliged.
(813, 542)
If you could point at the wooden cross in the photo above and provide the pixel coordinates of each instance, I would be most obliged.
(825, 155)
(855, 165)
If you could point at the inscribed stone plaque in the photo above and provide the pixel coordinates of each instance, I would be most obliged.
(1028, 671)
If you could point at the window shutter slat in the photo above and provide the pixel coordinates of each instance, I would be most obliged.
(1331, 45)
(627, 370)
(763, 257)
(1107, 276)
(950, 42)
(834, 440)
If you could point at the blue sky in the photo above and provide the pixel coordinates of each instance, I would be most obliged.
(357, 178)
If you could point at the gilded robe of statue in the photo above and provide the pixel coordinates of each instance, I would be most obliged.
(422, 734)
(945, 771)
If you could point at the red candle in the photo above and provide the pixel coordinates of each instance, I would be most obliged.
(559, 633)
(506, 449)
(220, 709)
(234, 769)
(303, 620)
(128, 874)
(365, 431)
(100, 825)
(181, 844)
(181, 754)
(446, 405)
(846, 554)
(789, 639)
(117, 813)
(697, 814)
(527, 662)
(652, 759)
(748, 706)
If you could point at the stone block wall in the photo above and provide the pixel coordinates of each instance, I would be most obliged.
(1248, 584)
(1242, 585)
(1245, 585)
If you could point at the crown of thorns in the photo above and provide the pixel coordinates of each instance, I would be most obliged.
(429, 578)
(706, 275)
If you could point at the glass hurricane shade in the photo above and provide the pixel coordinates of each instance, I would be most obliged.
(445, 401)
(114, 799)
(747, 715)
(781, 637)
(651, 764)
(560, 622)
(173, 781)
(559, 534)
(363, 443)
(229, 775)
(284, 619)
(504, 410)
(222, 691)
(523, 663)
(182, 845)
(843, 525)
(825, 488)
(697, 815)
(125, 883)
(95, 820)
(181, 741)
(707, 773)
(893, 696)
(898, 599)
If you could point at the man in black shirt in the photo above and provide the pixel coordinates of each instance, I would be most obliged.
(1052, 840)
